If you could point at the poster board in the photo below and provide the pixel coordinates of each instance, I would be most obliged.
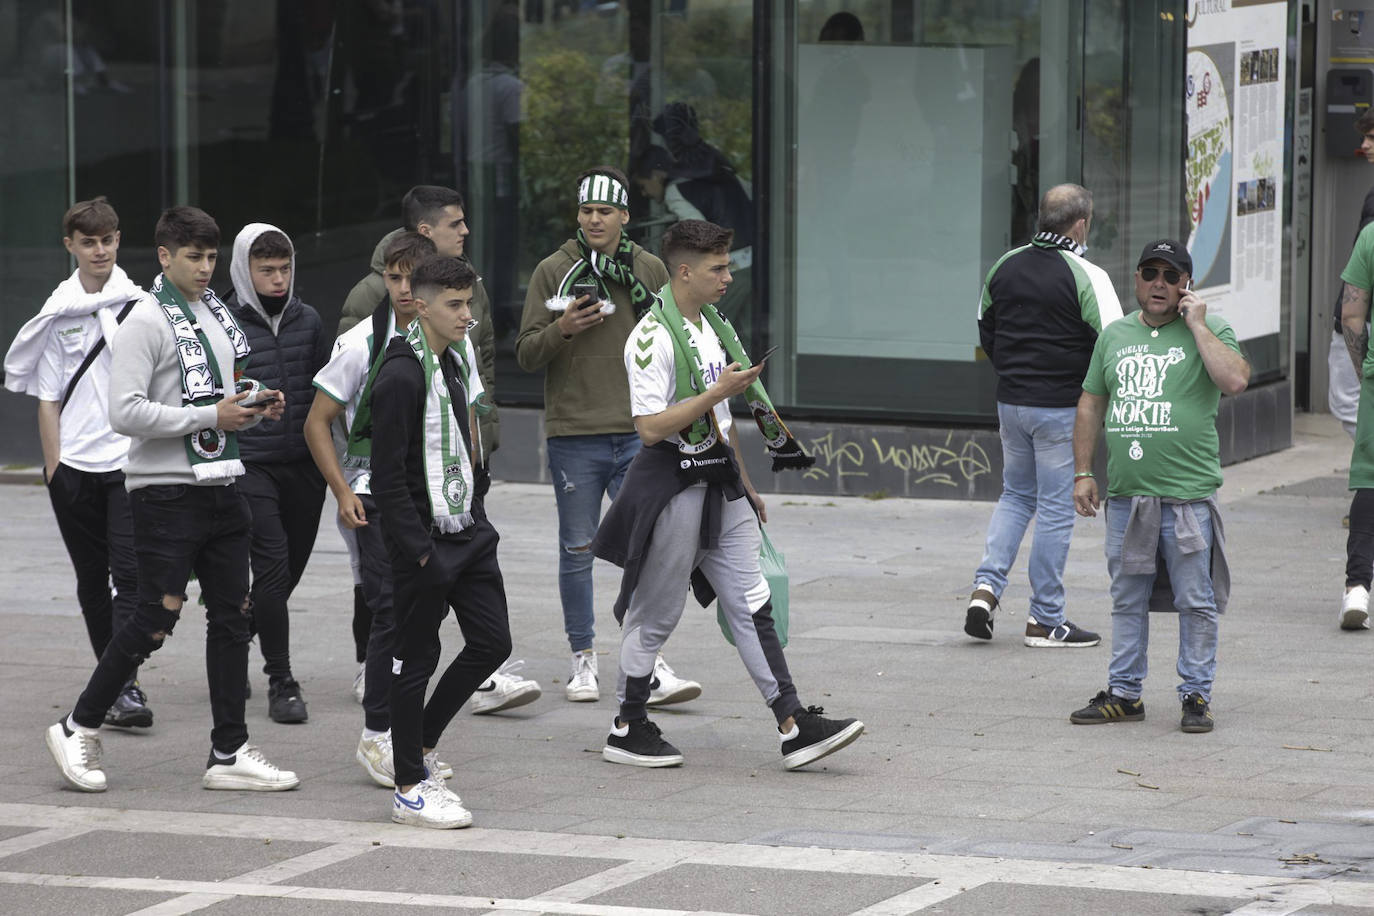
(1234, 110)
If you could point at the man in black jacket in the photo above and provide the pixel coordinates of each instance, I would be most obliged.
(283, 487)
(429, 488)
(1043, 305)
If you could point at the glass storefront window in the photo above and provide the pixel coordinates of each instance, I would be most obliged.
(923, 136)
(894, 151)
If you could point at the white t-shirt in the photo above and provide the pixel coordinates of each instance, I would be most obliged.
(344, 376)
(653, 379)
(87, 442)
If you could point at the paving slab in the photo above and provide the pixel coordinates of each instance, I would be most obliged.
(765, 891)
(1039, 901)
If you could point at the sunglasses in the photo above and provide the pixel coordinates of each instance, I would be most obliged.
(1171, 277)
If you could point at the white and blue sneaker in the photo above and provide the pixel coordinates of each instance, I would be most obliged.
(429, 804)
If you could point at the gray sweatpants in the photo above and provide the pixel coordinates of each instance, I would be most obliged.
(732, 568)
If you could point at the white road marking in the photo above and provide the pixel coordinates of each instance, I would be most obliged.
(1254, 894)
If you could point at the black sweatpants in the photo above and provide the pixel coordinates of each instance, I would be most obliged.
(375, 564)
(97, 528)
(286, 500)
(462, 573)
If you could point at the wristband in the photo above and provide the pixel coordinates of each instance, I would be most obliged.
(1081, 474)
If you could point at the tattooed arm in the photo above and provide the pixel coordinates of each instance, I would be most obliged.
(1354, 315)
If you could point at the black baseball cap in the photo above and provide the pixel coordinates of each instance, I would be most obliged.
(1170, 251)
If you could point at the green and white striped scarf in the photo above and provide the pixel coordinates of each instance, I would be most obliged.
(602, 268)
(702, 445)
(213, 453)
(446, 453)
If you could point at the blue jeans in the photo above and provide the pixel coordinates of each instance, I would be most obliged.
(1191, 577)
(1037, 480)
(583, 468)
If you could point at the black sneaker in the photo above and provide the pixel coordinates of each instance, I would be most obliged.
(285, 703)
(130, 709)
(639, 743)
(1108, 707)
(1068, 635)
(981, 604)
(814, 736)
(1197, 717)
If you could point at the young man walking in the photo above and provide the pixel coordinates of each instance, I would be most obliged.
(437, 213)
(688, 511)
(62, 357)
(583, 301)
(1043, 306)
(443, 550)
(1156, 378)
(344, 387)
(172, 384)
(284, 489)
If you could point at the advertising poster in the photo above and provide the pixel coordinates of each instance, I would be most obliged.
(1234, 106)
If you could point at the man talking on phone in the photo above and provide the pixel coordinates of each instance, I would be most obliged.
(583, 301)
(1155, 381)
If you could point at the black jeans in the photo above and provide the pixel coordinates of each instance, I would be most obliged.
(463, 574)
(179, 529)
(92, 510)
(1359, 545)
(377, 587)
(285, 500)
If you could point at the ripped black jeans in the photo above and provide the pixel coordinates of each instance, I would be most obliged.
(179, 529)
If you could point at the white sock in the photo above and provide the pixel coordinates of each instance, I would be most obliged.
(372, 734)
(79, 729)
(221, 756)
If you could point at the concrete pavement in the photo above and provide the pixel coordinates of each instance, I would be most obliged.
(970, 792)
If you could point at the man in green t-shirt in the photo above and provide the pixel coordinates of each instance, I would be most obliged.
(1359, 548)
(1154, 382)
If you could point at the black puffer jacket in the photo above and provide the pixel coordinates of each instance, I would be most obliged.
(288, 361)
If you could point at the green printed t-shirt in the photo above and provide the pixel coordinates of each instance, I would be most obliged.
(1161, 408)
(1359, 271)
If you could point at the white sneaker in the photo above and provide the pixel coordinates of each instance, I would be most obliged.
(666, 687)
(78, 757)
(375, 756)
(1355, 609)
(247, 769)
(583, 686)
(360, 682)
(505, 690)
(429, 804)
(436, 768)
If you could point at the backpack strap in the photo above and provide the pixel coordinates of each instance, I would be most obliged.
(90, 357)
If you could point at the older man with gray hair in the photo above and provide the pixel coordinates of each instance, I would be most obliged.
(1042, 308)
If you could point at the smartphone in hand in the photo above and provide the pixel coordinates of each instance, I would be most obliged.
(587, 288)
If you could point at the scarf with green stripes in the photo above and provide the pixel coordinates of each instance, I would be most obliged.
(446, 453)
(704, 453)
(602, 268)
(213, 453)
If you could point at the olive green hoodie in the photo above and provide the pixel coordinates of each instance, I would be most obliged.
(586, 390)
